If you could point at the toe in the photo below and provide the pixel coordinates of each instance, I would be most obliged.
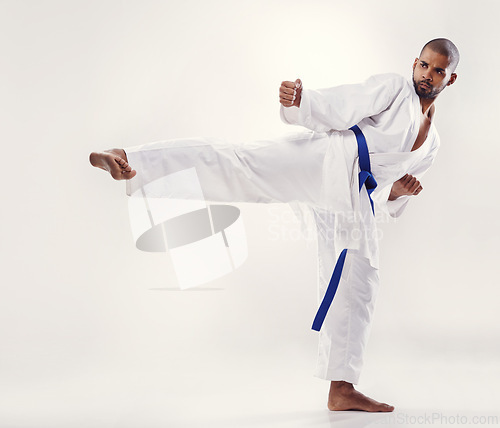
(121, 161)
(127, 175)
(123, 164)
(387, 408)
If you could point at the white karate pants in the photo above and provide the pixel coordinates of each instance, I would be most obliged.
(287, 170)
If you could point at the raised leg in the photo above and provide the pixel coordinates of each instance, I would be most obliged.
(282, 170)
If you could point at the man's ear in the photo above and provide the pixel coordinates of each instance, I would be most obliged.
(415, 63)
(453, 77)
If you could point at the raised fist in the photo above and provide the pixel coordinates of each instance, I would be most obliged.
(407, 185)
(290, 93)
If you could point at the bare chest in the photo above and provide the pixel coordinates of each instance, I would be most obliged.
(423, 131)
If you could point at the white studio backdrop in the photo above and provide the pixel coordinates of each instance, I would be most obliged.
(94, 332)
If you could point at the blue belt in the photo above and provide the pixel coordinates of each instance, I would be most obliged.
(365, 178)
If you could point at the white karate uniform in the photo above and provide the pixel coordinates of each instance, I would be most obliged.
(317, 171)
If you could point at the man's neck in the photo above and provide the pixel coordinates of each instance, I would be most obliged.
(426, 103)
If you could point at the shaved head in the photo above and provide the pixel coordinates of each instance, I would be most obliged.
(444, 47)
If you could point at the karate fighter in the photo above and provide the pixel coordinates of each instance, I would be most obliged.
(317, 172)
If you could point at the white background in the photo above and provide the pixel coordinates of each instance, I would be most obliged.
(92, 331)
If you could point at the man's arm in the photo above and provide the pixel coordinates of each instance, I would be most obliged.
(393, 199)
(340, 107)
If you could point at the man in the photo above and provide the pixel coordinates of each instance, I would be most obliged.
(316, 172)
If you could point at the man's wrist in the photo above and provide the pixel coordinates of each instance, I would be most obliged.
(393, 196)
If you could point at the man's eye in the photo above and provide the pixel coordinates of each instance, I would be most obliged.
(423, 65)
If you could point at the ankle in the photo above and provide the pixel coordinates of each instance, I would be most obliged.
(341, 386)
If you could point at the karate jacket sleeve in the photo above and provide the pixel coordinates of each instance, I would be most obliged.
(396, 207)
(341, 107)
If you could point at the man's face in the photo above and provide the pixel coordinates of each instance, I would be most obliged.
(431, 74)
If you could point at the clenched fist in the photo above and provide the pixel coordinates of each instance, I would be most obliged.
(407, 185)
(290, 93)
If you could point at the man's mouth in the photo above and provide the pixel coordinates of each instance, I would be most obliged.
(425, 85)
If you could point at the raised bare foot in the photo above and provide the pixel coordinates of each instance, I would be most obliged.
(343, 396)
(115, 162)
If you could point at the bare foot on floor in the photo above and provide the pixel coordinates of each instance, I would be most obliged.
(343, 396)
(115, 162)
